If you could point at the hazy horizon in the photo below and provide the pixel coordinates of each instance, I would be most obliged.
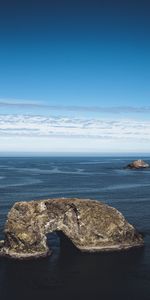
(74, 154)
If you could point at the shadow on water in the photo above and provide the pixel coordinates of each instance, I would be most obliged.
(71, 274)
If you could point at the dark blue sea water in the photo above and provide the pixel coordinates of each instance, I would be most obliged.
(67, 274)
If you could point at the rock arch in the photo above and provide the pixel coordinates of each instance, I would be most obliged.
(90, 225)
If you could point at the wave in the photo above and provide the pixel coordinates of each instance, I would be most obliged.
(126, 186)
(25, 183)
(54, 170)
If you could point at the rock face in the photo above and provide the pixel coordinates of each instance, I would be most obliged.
(90, 225)
(138, 164)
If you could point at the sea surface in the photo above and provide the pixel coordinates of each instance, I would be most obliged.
(70, 274)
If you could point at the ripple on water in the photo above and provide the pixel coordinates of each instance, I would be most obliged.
(23, 183)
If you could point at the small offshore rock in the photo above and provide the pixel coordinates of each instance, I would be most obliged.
(138, 164)
(90, 226)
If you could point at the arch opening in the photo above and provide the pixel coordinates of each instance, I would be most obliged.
(58, 241)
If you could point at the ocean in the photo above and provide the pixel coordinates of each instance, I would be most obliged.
(71, 274)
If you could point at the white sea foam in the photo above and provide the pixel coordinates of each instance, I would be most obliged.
(24, 183)
(54, 170)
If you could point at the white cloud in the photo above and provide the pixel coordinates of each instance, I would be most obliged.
(41, 126)
(60, 134)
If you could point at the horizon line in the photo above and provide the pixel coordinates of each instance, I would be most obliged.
(71, 154)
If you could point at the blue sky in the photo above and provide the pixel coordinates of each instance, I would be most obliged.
(75, 60)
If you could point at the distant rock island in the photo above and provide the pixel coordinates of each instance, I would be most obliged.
(138, 164)
(90, 226)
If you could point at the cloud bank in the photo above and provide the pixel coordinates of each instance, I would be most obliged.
(24, 104)
(42, 126)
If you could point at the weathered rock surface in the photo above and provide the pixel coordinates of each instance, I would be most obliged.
(138, 164)
(90, 225)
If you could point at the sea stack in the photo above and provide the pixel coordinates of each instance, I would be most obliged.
(138, 164)
(90, 225)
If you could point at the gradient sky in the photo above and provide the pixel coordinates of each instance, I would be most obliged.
(81, 63)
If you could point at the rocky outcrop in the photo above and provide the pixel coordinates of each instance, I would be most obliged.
(138, 164)
(90, 225)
